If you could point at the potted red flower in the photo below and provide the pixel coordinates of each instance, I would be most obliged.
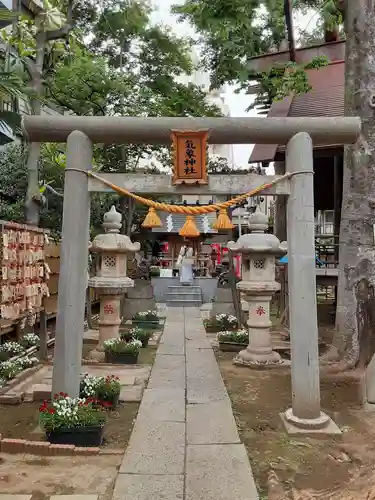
(108, 391)
(105, 389)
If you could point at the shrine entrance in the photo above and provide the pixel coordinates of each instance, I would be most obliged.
(298, 134)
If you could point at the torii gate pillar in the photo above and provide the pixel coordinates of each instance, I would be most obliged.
(305, 415)
(73, 267)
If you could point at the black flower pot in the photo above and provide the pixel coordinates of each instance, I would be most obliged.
(145, 341)
(77, 436)
(147, 325)
(126, 336)
(231, 346)
(121, 358)
(109, 402)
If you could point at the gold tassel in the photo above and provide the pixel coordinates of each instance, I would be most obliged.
(222, 222)
(189, 229)
(152, 219)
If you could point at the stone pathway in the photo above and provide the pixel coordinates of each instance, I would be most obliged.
(185, 444)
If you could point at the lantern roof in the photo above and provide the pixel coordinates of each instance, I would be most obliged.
(112, 240)
(258, 241)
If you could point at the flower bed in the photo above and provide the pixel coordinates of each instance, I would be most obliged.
(11, 368)
(14, 357)
(105, 389)
(137, 333)
(10, 349)
(146, 319)
(233, 341)
(118, 351)
(29, 340)
(73, 421)
(221, 322)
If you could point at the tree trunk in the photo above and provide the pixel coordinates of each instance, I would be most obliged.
(33, 197)
(357, 250)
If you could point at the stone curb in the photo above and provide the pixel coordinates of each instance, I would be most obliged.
(17, 380)
(44, 448)
(41, 448)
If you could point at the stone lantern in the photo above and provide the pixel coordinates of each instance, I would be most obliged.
(259, 251)
(111, 281)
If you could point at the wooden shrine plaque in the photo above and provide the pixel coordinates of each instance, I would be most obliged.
(190, 155)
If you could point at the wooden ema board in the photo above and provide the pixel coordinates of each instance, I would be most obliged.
(23, 270)
(189, 149)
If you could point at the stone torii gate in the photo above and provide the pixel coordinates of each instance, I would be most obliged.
(298, 134)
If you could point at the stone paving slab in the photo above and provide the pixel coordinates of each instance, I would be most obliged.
(74, 497)
(172, 347)
(192, 343)
(5, 496)
(131, 394)
(168, 372)
(220, 426)
(149, 487)
(204, 382)
(219, 472)
(155, 448)
(163, 405)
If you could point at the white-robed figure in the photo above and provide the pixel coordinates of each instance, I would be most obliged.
(185, 263)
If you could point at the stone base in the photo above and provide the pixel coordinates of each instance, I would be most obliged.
(138, 299)
(223, 302)
(321, 426)
(256, 365)
(96, 355)
(259, 360)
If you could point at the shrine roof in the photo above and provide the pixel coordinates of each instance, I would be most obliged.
(325, 99)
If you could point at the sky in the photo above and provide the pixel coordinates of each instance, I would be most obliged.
(237, 102)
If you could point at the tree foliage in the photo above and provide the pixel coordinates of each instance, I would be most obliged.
(126, 66)
(232, 31)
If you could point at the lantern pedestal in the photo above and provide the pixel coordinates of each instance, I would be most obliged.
(110, 291)
(259, 352)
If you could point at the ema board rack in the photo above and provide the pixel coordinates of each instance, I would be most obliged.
(24, 272)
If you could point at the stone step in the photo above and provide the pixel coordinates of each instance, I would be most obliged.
(187, 295)
(184, 288)
(184, 303)
(185, 298)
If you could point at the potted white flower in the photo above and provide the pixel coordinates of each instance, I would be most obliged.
(233, 341)
(146, 319)
(221, 322)
(138, 334)
(118, 351)
(75, 421)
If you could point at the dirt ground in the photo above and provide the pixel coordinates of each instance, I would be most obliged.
(45, 476)
(338, 468)
(21, 422)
